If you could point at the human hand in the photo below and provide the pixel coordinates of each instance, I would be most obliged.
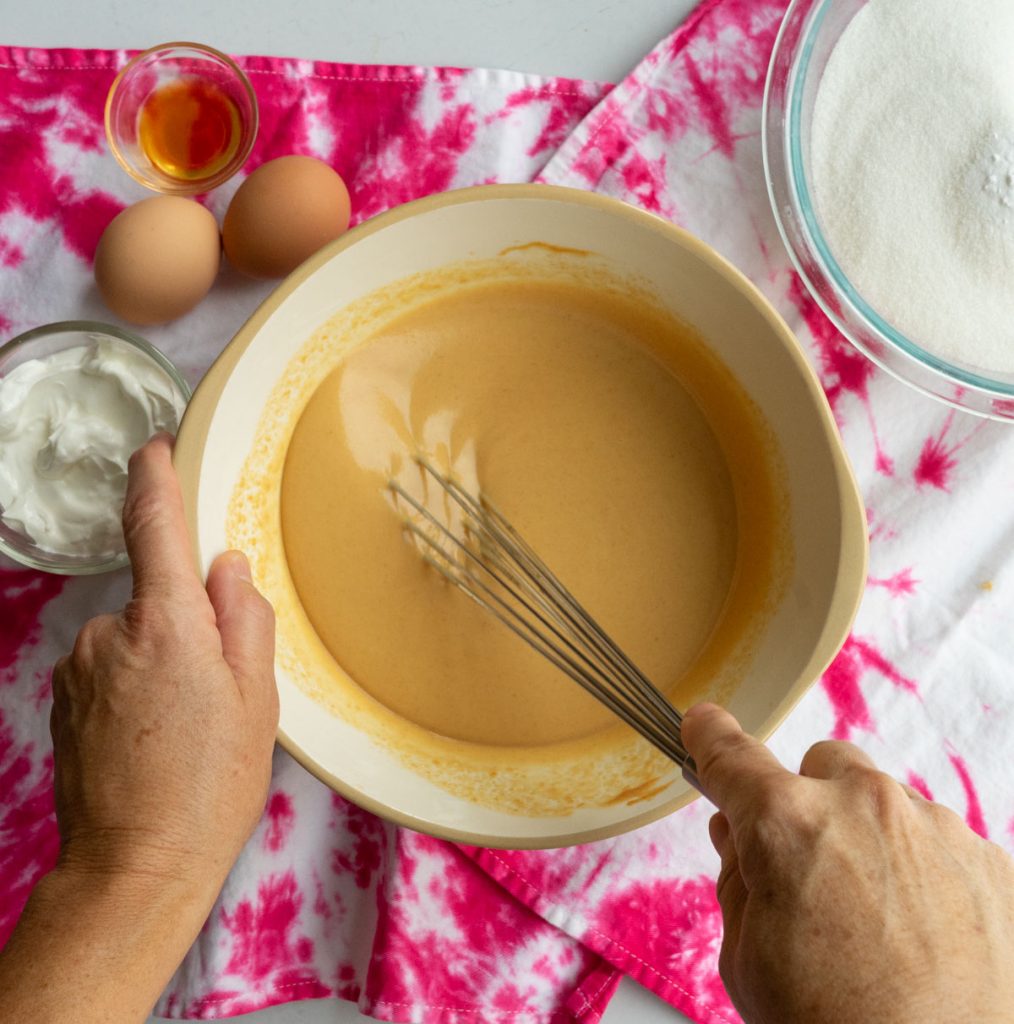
(848, 898)
(163, 725)
(164, 716)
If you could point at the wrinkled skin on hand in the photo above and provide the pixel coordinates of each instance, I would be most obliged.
(163, 725)
(164, 715)
(847, 897)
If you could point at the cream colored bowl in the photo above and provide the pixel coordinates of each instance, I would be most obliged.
(826, 514)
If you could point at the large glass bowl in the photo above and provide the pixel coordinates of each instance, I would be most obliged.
(807, 38)
(38, 344)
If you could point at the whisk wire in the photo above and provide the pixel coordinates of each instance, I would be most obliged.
(463, 577)
(501, 572)
(555, 598)
(489, 521)
(523, 629)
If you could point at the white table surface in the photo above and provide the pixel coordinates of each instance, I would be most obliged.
(596, 39)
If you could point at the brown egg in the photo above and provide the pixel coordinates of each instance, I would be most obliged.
(157, 259)
(282, 214)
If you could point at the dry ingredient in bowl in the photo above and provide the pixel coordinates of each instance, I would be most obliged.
(68, 424)
(912, 169)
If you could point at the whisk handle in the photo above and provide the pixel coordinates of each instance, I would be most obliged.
(690, 775)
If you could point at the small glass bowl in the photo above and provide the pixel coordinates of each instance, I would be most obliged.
(808, 35)
(155, 69)
(39, 343)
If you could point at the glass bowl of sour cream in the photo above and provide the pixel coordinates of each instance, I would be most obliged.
(889, 157)
(77, 398)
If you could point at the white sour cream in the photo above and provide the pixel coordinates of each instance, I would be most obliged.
(68, 424)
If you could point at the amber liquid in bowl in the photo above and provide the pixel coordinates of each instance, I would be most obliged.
(189, 129)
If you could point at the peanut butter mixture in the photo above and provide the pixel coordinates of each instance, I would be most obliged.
(549, 398)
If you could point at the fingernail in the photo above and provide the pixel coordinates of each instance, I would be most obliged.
(700, 709)
(240, 565)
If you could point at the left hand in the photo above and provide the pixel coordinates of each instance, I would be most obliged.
(163, 724)
(164, 716)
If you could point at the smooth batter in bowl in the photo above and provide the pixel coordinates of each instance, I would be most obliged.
(234, 441)
(542, 393)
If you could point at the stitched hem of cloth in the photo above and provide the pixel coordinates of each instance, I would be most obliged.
(616, 953)
(32, 58)
(584, 1005)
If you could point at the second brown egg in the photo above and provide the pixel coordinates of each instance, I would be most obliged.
(282, 214)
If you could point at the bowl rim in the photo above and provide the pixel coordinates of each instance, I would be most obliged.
(26, 338)
(784, 148)
(849, 589)
(183, 188)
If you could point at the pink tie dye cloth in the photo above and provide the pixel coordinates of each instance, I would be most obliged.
(328, 900)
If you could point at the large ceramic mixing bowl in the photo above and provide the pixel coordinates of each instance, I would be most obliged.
(824, 510)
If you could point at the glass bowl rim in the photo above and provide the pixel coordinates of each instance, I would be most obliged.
(820, 251)
(24, 339)
(221, 176)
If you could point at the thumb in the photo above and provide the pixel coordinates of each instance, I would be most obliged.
(246, 624)
(732, 767)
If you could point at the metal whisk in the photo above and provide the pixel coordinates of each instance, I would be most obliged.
(496, 568)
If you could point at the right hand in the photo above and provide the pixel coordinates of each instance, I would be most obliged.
(847, 897)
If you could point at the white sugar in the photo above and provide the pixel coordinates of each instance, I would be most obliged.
(912, 169)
